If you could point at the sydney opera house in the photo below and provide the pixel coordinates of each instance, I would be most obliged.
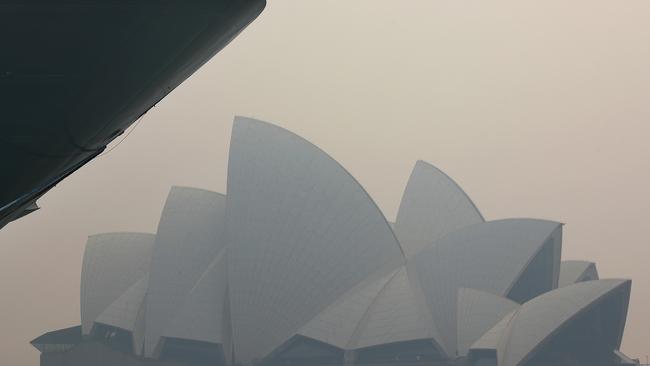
(296, 265)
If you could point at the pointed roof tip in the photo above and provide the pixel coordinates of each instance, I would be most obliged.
(426, 164)
(249, 120)
(241, 121)
(423, 164)
(432, 206)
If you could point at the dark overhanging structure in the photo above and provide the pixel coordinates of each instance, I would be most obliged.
(296, 265)
(75, 74)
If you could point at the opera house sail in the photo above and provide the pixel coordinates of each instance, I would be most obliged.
(297, 265)
(75, 74)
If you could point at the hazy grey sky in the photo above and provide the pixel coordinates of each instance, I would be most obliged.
(537, 109)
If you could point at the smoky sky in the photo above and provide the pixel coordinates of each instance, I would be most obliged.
(537, 109)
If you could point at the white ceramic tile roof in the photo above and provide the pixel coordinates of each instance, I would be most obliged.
(432, 206)
(112, 263)
(126, 312)
(298, 247)
(495, 337)
(576, 271)
(337, 324)
(542, 317)
(302, 232)
(123, 312)
(384, 311)
(397, 314)
(189, 237)
(478, 311)
(201, 317)
(489, 256)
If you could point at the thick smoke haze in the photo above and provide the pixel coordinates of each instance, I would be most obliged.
(537, 108)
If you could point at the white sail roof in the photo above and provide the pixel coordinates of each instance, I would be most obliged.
(576, 271)
(190, 236)
(397, 314)
(495, 337)
(201, 317)
(387, 310)
(112, 263)
(339, 322)
(432, 206)
(302, 232)
(127, 312)
(478, 311)
(122, 313)
(541, 318)
(492, 257)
